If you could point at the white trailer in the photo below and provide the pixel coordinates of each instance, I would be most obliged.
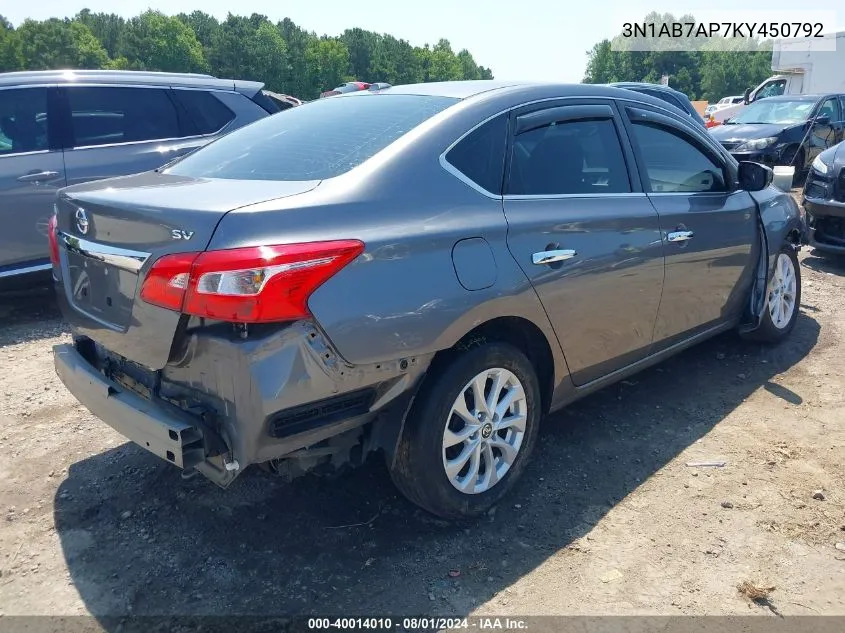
(802, 68)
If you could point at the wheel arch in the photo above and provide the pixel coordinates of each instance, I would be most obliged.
(522, 334)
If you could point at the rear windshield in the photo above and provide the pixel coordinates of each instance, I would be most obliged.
(317, 140)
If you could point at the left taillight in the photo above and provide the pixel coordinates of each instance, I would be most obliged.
(262, 284)
(54, 240)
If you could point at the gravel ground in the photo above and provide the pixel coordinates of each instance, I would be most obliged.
(609, 518)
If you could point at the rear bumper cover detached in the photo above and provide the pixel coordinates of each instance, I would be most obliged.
(228, 403)
(161, 432)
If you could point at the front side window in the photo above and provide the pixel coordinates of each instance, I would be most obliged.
(774, 89)
(572, 157)
(830, 108)
(480, 155)
(674, 164)
(102, 116)
(317, 140)
(23, 120)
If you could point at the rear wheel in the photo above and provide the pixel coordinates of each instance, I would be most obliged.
(470, 432)
(783, 297)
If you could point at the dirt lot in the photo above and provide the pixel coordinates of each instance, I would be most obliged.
(609, 519)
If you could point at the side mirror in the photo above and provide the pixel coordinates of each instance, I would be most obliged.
(746, 98)
(823, 119)
(754, 176)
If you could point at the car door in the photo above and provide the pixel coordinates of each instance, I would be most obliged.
(120, 130)
(709, 227)
(31, 171)
(584, 233)
(825, 134)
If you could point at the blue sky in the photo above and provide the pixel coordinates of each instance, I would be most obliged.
(544, 40)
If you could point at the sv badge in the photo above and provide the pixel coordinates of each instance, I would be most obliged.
(179, 234)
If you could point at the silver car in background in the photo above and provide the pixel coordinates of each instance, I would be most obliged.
(61, 128)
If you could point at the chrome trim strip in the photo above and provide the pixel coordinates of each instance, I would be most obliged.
(23, 271)
(120, 257)
(564, 196)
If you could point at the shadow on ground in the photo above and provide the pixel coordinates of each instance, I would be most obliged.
(824, 262)
(139, 540)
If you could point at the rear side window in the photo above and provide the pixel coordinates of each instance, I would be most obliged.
(480, 156)
(317, 140)
(102, 116)
(205, 111)
(674, 164)
(23, 120)
(574, 157)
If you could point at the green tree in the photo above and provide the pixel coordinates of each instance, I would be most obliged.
(58, 43)
(297, 82)
(106, 27)
(327, 63)
(203, 25)
(250, 48)
(362, 46)
(444, 64)
(154, 41)
(11, 56)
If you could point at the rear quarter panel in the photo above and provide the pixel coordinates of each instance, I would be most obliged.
(401, 298)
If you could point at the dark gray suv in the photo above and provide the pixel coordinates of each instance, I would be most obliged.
(60, 128)
(425, 270)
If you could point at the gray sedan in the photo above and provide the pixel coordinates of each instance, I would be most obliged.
(424, 271)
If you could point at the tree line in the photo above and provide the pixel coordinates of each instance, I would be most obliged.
(708, 73)
(286, 57)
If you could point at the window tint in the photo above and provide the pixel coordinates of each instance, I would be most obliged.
(206, 113)
(320, 139)
(23, 120)
(121, 115)
(576, 157)
(830, 107)
(480, 156)
(673, 164)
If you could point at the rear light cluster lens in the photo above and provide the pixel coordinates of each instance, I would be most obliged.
(54, 240)
(262, 284)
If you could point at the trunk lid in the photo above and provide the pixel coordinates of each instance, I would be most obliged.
(110, 233)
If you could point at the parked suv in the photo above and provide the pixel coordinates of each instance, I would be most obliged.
(425, 270)
(61, 128)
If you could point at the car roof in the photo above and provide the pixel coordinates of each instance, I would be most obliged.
(130, 77)
(473, 88)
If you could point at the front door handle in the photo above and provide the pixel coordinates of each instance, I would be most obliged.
(37, 176)
(550, 257)
(680, 236)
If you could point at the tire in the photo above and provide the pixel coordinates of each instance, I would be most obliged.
(419, 467)
(775, 327)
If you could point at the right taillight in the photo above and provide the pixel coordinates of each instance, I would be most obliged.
(259, 284)
(54, 241)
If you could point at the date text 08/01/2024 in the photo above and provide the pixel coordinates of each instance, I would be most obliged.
(418, 624)
(675, 30)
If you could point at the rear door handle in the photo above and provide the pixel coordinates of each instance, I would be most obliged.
(680, 236)
(38, 176)
(550, 257)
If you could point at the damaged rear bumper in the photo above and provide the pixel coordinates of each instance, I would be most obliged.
(166, 434)
(226, 403)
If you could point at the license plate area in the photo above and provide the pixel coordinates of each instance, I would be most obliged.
(101, 290)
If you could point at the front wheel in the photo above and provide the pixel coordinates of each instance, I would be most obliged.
(783, 298)
(470, 432)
